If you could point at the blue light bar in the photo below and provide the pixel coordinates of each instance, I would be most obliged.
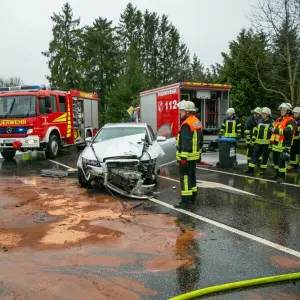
(20, 88)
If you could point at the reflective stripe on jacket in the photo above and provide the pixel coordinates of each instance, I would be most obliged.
(189, 139)
(297, 132)
(262, 133)
(249, 127)
(283, 134)
(231, 127)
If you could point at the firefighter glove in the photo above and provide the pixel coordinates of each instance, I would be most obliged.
(183, 163)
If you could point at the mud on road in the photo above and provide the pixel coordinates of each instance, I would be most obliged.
(57, 240)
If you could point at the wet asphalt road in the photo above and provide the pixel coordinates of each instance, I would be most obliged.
(270, 211)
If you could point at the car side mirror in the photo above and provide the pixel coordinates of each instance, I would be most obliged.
(161, 139)
(88, 140)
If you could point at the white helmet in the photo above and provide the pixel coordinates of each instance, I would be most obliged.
(230, 111)
(266, 110)
(257, 110)
(296, 110)
(186, 105)
(287, 106)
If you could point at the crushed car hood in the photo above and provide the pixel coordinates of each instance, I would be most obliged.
(123, 147)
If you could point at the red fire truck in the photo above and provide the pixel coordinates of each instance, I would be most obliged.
(37, 118)
(158, 107)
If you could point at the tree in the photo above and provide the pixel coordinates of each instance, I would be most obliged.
(10, 81)
(100, 58)
(240, 70)
(279, 20)
(127, 88)
(64, 50)
(100, 55)
(150, 48)
(198, 71)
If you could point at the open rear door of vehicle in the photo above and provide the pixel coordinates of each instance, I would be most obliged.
(168, 145)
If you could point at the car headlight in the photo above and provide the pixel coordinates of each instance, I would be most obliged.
(90, 162)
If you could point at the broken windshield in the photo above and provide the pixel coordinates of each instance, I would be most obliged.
(17, 106)
(109, 133)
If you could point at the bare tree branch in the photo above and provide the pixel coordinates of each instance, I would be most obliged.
(263, 85)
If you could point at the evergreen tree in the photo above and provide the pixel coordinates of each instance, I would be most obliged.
(240, 70)
(63, 53)
(127, 88)
(197, 69)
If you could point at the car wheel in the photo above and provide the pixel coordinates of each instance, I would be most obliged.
(8, 154)
(81, 179)
(52, 147)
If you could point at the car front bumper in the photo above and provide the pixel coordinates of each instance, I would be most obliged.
(101, 173)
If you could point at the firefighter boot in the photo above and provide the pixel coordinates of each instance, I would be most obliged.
(184, 203)
(250, 170)
(280, 179)
(194, 197)
(262, 172)
(276, 175)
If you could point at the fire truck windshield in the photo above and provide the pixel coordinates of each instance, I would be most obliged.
(17, 106)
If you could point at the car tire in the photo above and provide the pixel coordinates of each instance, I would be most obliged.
(52, 150)
(8, 154)
(81, 179)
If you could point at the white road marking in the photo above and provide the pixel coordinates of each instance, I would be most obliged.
(212, 185)
(251, 177)
(217, 224)
(231, 229)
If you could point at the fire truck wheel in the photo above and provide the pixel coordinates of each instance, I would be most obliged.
(52, 147)
(8, 154)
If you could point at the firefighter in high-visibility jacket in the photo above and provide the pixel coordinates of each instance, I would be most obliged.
(295, 150)
(189, 146)
(250, 124)
(281, 140)
(231, 126)
(261, 140)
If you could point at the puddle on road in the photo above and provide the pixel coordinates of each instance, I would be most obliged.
(63, 226)
(58, 214)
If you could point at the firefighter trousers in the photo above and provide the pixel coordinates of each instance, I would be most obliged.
(258, 151)
(249, 151)
(279, 164)
(295, 153)
(188, 182)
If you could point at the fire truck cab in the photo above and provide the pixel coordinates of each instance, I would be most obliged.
(37, 118)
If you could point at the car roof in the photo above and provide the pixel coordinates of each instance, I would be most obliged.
(124, 124)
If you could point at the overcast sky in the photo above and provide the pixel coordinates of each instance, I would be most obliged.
(205, 26)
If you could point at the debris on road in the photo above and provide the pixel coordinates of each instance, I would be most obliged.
(54, 173)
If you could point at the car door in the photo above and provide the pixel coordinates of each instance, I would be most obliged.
(168, 145)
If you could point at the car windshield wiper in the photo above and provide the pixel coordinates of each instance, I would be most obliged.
(29, 108)
(10, 110)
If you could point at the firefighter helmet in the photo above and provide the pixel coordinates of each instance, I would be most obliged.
(230, 111)
(285, 105)
(186, 105)
(257, 110)
(266, 110)
(296, 110)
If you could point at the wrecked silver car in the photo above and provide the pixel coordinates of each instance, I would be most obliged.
(125, 157)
